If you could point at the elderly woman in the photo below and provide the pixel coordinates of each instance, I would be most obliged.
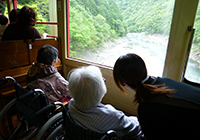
(24, 28)
(44, 75)
(168, 109)
(87, 88)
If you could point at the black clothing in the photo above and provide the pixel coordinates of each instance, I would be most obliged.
(20, 31)
(171, 118)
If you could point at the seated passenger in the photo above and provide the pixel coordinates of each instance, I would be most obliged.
(3, 22)
(87, 88)
(13, 15)
(44, 75)
(168, 109)
(24, 28)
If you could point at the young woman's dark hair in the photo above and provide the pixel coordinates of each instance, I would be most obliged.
(47, 54)
(130, 70)
(27, 15)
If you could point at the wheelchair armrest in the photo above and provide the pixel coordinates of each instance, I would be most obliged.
(110, 135)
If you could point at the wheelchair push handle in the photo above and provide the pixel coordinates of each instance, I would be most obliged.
(5, 79)
(48, 108)
(10, 78)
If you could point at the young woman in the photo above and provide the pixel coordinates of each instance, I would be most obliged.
(163, 102)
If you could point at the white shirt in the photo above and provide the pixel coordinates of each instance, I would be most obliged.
(102, 118)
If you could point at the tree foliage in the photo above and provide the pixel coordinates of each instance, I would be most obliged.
(148, 16)
(2, 7)
(92, 22)
(152, 16)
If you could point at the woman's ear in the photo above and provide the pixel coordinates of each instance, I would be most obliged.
(53, 63)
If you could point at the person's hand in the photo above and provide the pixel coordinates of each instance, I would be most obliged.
(44, 35)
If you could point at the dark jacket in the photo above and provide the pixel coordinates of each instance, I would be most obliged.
(20, 31)
(48, 79)
(171, 118)
(182, 90)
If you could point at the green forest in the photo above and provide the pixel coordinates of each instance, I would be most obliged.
(93, 22)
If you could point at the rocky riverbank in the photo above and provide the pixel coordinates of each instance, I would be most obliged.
(195, 56)
(152, 48)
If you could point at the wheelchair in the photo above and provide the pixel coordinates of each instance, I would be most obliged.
(67, 129)
(29, 116)
(18, 119)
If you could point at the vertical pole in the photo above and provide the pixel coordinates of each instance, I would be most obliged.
(53, 17)
(15, 3)
(68, 31)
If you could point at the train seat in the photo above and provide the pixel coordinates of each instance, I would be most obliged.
(13, 54)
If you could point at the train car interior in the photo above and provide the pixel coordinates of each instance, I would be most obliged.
(166, 34)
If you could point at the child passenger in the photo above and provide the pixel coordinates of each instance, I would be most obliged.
(44, 75)
(3, 22)
(87, 88)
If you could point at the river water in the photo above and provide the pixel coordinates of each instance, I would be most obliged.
(152, 48)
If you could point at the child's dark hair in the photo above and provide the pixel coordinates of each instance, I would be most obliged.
(3, 20)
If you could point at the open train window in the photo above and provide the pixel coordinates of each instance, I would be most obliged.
(3, 7)
(102, 30)
(192, 72)
(46, 15)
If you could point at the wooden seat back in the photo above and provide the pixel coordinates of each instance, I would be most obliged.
(38, 43)
(17, 56)
(13, 54)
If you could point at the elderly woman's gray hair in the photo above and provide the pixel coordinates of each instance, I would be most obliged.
(86, 86)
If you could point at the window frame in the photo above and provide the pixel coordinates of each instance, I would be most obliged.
(176, 50)
(179, 38)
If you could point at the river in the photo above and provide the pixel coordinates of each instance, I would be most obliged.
(152, 48)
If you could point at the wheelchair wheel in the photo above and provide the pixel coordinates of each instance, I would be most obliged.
(57, 134)
(12, 125)
(52, 129)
